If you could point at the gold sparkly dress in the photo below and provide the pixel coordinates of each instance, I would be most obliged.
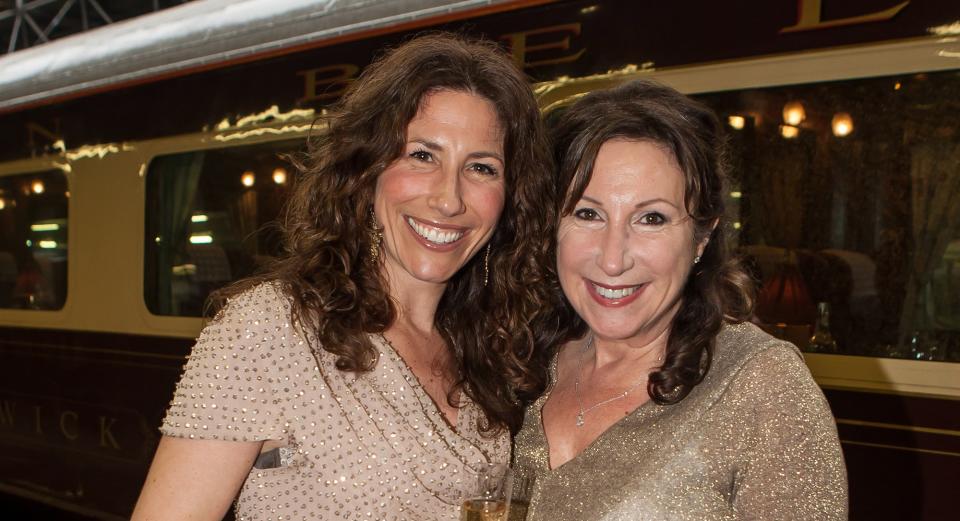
(755, 440)
(358, 446)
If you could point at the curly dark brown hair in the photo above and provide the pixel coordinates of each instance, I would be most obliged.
(495, 333)
(718, 289)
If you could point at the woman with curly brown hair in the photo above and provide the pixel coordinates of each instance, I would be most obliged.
(668, 405)
(384, 359)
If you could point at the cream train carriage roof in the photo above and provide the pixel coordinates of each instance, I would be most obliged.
(198, 35)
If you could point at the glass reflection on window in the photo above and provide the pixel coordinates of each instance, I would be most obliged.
(208, 221)
(33, 240)
(845, 202)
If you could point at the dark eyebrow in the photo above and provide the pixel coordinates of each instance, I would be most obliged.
(484, 153)
(429, 144)
(432, 145)
(639, 205)
(591, 199)
(655, 200)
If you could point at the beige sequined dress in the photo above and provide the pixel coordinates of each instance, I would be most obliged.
(368, 446)
(755, 440)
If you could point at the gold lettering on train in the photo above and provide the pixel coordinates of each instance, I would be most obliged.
(106, 436)
(36, 420)
(521, 49)
(809, 12)
(7, 409)
(75, 426)
(70, 433)
(324, 83)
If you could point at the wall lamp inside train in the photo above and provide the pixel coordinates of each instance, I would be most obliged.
(789, 131)
(842, 124)
(794, 113)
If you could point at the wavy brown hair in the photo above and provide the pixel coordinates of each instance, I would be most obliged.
(718, 289)
(340, 295)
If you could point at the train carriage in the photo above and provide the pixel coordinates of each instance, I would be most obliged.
(142, 164)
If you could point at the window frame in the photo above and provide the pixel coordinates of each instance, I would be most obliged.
(46, 317)
(148, 165)
(229, 137)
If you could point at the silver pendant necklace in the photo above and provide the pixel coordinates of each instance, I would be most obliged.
(576, 387)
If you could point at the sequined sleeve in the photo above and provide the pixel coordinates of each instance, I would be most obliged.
(792, 463)
(231, 388)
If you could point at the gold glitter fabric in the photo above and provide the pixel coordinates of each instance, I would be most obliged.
(357, 446)
(755, 440)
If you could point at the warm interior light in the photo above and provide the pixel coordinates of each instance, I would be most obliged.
(737, 226)
(44, 227)
(793, 113)
(736, 122)
(736, 195)
(247, 178)
(280, 176)
(589, 9)
(896, 86)
(789, 132)
(842, 124)
(202, 217)
(201, 239)
(3, 204)
(37, 187)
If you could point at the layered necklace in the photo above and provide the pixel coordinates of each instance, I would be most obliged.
(576, 386)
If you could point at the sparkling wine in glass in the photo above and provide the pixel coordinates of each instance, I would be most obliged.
(483, 510)
(489, 500)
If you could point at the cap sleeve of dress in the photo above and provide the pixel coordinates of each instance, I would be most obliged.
(231, 388)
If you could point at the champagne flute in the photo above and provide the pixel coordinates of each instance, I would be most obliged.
(520, 497)
(489, 500)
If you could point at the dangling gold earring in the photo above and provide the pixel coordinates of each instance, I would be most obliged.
(376, 235)
(486, 266)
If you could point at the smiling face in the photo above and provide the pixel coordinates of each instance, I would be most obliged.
(439, 202)
(626, 250)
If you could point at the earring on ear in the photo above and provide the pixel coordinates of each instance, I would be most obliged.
(486, 266)
(376, 235)
(696, 259)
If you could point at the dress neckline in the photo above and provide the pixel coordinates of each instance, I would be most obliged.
(430, 408)
(637, 412)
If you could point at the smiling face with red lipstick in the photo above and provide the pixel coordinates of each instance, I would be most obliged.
(626, 249)
(439, 202)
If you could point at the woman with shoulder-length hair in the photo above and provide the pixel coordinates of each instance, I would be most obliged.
(377, 365)
(668, 404)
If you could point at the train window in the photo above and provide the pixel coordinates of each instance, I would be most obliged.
(208, 221)
(845, 200)
(33, 240)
